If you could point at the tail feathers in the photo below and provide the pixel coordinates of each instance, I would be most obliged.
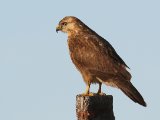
(128, 89)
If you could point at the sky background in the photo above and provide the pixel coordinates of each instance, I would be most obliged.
(37, 78)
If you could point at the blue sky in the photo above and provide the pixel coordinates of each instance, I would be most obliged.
(37, 78)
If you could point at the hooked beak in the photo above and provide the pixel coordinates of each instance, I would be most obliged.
(58, 28)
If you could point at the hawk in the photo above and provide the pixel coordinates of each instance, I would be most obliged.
(96, 59)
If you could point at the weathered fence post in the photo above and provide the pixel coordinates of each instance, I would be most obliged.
(97, 107)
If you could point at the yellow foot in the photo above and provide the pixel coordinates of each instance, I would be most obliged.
(88, 94)
(101, 93)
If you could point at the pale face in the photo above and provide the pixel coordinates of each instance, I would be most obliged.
(67, 25)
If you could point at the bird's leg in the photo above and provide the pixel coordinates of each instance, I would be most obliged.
(87, 92)
(87, 89)
(99, 89)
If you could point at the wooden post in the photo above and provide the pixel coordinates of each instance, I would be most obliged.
(97, 107)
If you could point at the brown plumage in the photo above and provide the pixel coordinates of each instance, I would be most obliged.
(96, 59)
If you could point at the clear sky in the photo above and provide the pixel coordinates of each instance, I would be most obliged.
(37, 78)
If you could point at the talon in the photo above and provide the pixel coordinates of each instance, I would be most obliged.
(101, 93)
(88, 94)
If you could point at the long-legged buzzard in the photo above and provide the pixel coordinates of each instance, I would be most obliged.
(96, 59)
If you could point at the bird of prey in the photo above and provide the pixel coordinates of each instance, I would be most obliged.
(96, 59)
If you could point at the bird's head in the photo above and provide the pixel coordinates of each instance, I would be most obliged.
(69, 25)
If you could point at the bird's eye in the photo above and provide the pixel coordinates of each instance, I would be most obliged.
(64, 23)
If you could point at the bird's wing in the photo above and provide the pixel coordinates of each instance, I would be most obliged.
(113, 53)
(97, 55)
